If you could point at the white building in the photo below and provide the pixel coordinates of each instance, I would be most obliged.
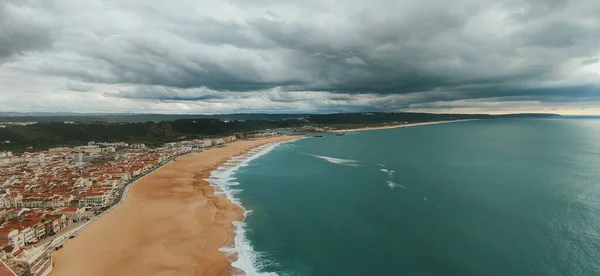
(207, 143)
(138, 146)
(35, 203)
(78, 157)
(29, 235)
(61, 201)
(87, 158)
(14, 235)
(94, 199)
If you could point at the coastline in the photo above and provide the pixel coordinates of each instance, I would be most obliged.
(397, 126)
(172, 222)
(239, 251)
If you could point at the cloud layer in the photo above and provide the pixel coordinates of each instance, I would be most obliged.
(305, 56)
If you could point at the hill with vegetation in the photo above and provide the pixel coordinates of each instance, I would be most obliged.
(51, 133)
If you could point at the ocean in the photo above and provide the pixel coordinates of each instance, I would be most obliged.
(489, 197)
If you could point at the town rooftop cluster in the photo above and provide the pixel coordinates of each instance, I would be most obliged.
(48, 193)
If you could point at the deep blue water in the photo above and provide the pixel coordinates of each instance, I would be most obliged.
(490, 197)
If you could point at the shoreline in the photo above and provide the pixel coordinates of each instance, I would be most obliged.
(238, 250)
(397, 126)
(172, 222)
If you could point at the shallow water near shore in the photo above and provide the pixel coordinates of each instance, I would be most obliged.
(489, 197)
(223, 181)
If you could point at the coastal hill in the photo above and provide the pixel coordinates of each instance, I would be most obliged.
(42, 117)
(20, 132)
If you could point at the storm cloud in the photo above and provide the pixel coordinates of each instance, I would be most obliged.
(21, 31)
(287, 56)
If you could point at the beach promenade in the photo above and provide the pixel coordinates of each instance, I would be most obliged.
(171, 223)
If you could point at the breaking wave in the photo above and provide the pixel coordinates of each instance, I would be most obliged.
(339, 161)
(223, 181)
(390, 173)
(394, 185)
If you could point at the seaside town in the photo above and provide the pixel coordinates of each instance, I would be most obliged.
(46, 197)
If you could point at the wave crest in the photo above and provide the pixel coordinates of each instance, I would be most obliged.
(390, 173)
(339, 161)
(223, 181)
(394, 185)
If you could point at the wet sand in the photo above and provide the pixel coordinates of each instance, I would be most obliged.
(170, 224)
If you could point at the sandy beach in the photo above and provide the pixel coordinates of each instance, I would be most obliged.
(396, 126)
(170, 224)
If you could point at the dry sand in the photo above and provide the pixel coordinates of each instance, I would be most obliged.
(398, 125)
(170, 224)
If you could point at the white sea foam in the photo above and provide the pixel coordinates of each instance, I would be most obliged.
(339, 161)
(394, 185)
(390, 173)
(222, 179)
(381, 165)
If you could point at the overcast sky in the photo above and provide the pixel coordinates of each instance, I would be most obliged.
(226, 56)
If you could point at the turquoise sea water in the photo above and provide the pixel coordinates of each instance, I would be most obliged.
(494, 197)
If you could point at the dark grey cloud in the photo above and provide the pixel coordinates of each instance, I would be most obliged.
(425, 51)
(168, 94)
(20, 30)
